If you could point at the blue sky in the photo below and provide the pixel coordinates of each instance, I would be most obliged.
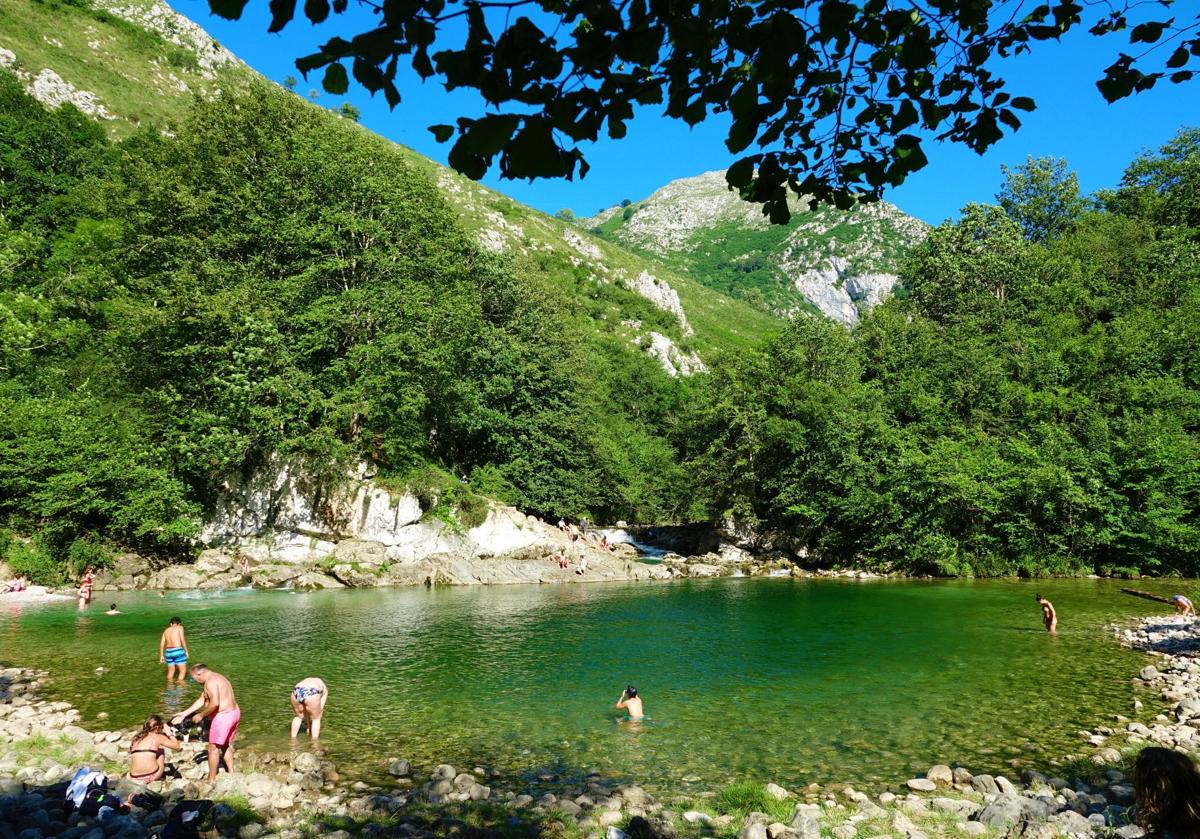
(1072, 121)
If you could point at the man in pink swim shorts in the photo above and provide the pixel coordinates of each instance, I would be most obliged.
(217, 702)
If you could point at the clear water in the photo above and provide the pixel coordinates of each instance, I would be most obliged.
(775, 679)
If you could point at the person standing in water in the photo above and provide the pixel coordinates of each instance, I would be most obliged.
(1183, 606)
(631, 703)
(85, 587)
(308, 700)
(1049, 616)
(217, 702)
(173, 649)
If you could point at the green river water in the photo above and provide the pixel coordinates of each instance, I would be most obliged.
(775, 679)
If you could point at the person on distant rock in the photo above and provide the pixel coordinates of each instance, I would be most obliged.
(147, 755)
(173, 649)
(631, 703)
(1167, 790)
(1183, 606)
(1049, 616)
(562, 525)
(85, 587)
(583, 525)
(217, 702)
(572, 532)
(308, 700)
(581, 569)
(113, 610)
(15, 586)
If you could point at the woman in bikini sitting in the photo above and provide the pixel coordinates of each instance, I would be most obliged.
(147, 755)
(308, 700)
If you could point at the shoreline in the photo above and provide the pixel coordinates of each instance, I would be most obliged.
(300, 794)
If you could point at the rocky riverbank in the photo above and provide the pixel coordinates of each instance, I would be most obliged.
(301, 794)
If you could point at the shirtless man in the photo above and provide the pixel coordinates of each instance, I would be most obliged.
(217, 702)
(1183, 606)
(308, 700)
(631, 703)
(173, 649)
(1049, 616)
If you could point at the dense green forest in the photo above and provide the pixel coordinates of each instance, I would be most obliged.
(1032, 405)
(270, 280)
(265, 280)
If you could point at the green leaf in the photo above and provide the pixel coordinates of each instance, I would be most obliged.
(1149, 32)
(316, 10)
(442, 133)
(335, 81)
(1024, 103)
(740, 173)
(228, 9)
(281, 14)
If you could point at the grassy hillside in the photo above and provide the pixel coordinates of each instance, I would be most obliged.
(141, 70)
(825, 260)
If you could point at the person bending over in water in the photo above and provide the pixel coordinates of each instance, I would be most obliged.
(1167, 789)
(147, 755)
(308, 700)
(1049, 616)
(173, 649)
(217, 702)
(1183, 606)
(631, 703)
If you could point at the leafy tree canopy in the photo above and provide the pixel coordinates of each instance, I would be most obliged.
(828, 98)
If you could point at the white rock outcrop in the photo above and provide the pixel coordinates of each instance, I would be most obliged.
(159, 18)
(278, 515)
(841, 294)
(674, 360)
(660, 293)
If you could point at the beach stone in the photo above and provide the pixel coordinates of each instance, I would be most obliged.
(940, 774)
(306, 763)
(478, 792)
(961, 776)
(902, 824)
(845, 831)
(973, 828)
(1121, 793)
(615, 833)
(776, 830)
(777, 792)
(1073, 823)
(1032, 829)
(444, 771)
(521, 802)
(921, 785)
(957, 806)
(804, 822)
(610, 817)
(251, 831)
(755, 830)
(1129, 831)
(1005, 785)
(1008, 809)
(1149, 673)
(399, 768)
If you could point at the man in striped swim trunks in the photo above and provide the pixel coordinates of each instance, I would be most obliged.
(172, 649)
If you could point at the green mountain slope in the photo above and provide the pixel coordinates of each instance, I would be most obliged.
(826, 260)
(130, 63)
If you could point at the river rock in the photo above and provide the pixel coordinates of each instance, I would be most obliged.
(973, 829)
(399, 768)
(306, 763)
(921, 785)
(443, 771)
(845, 831)
(1005, 785)
(1072, 823)
(1009, 809)
(755, 830)
(702, 569)
(1149, 673)
(777, 792)
(958, 806)
(940, 774)
(961, 776)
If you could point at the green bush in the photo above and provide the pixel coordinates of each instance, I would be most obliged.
(744, 797)
(29, 558)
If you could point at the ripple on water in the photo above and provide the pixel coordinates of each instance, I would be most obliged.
(780, 679)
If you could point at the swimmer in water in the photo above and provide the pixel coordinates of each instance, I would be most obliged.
(1183, 606)
(631, 703)
(1049, 616)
